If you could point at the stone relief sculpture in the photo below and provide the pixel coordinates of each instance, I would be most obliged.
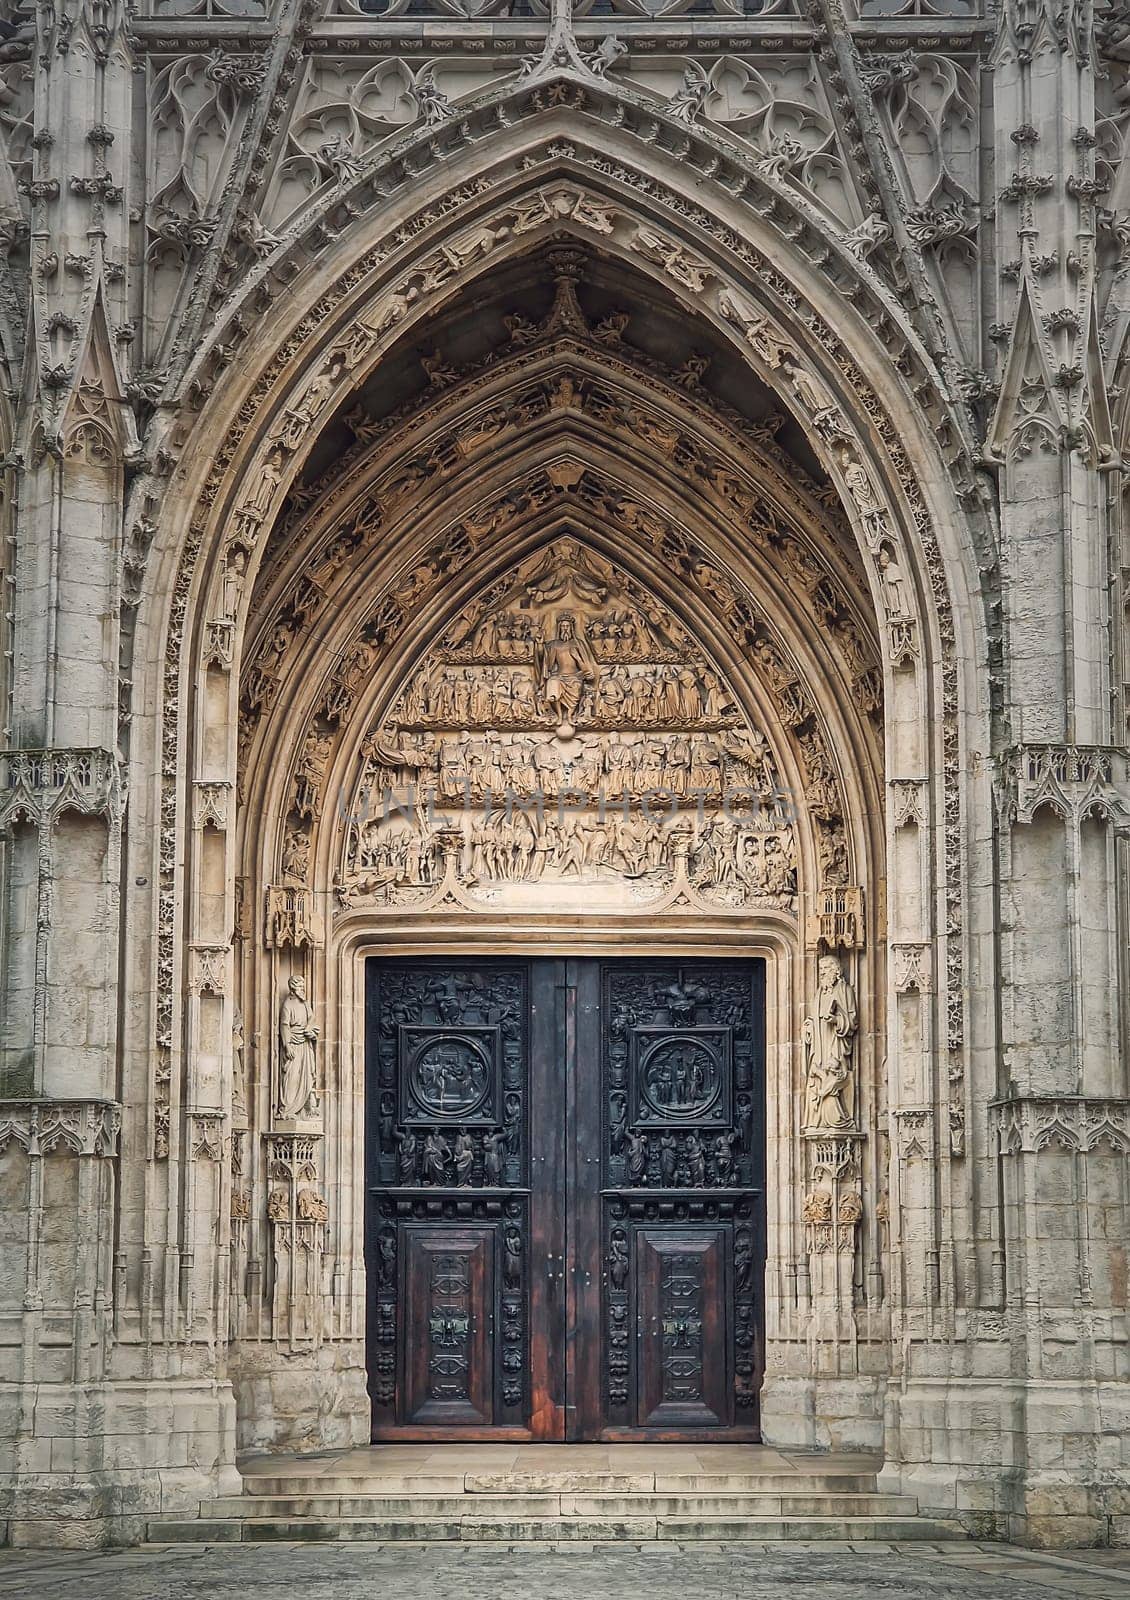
(566, 736)
(298, 1092)
(829, 1042)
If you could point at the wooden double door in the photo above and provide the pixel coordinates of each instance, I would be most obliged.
(565, 1228)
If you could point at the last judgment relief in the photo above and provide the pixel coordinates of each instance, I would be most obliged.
(566, 734)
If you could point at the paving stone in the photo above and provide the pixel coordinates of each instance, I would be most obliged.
(509, 1571)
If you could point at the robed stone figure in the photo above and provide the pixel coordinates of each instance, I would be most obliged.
(565, 665)
(298, 1094)
(829, 1040)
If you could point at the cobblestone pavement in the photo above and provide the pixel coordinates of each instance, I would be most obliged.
(618, 1572)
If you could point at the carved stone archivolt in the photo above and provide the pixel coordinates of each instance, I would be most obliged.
(789, 644)
(274, 476)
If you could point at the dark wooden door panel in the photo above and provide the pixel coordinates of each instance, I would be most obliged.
(566, 1198)
(684, 1369)
(449, 1297)
(677, 1066)
(452, 1153)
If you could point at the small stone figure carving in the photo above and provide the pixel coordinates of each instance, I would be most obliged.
(298, 1095)
(637, 1157)
(494, 1154)
(668, 1159)
(312, 1206)
(408, 1154)
(894, 583)
(296, 856)
(512, 1266)
(238, 1073)
(436, 1156)
(618, 1261)
(464, 1157)
(565, 667)
(829, 1039)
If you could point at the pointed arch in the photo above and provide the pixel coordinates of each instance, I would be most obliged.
(862, 397)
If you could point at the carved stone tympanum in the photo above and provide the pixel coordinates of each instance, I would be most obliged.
(568, 741)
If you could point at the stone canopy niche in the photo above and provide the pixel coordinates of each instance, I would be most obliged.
(566, 743)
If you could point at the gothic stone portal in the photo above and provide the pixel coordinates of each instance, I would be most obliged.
(565, 1234)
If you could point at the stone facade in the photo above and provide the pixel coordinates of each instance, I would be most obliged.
(779, 349)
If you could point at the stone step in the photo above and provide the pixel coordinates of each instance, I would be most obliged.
(885, 1529)
(766, 1483)
(304, 1484)
(382, 1507)
(553, 1529)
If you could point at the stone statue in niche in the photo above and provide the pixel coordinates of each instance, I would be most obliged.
(894, 584)
(829, 1044)
(298, 1091)
(238, 1071)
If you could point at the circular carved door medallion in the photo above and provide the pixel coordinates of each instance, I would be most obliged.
(450, 1076)
(680, 1079)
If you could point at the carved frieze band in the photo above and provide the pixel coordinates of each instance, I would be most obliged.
(1028, 1125)
(1072, 781)
(83, 1127)
(40, 785)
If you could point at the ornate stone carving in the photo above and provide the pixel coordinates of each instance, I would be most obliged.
(83, 1127)
(208, 969)
(289, 920)
(591, 748)
(210, 804)
(1073, 781)
(39, 785)
(908, 802)
(829, 1041)
(1030, 1124)
(836, 920)
(911, 968)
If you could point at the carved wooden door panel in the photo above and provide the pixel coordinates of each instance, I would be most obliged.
(466, 1224)
(667, 1192)
(566, 1194)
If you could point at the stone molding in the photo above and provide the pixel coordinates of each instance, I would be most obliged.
(84, 1127)
(1027, 1125)
(1072, 780)
(40, 785)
